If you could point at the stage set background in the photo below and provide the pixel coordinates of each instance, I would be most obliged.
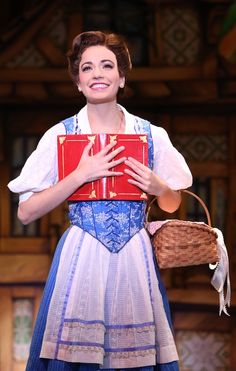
(184, 79)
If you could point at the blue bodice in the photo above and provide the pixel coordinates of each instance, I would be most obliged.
(113, 223)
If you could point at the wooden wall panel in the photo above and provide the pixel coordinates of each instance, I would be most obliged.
(5, 331)
(4, 200)
(24, 268)
(7, 296)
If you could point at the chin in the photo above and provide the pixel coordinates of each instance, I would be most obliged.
(100, 100)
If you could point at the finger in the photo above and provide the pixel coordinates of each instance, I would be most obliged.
(114, 173)
(136, 162)
(138, 184)
(135, 175)
(130, 172)
(115, 153)
(107, 148)
(86, 152)
(139, 169)
(87, 149)
(114, 163)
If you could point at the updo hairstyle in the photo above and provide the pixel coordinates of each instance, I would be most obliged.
(112, 41)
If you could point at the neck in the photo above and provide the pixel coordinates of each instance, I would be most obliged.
(105, 118)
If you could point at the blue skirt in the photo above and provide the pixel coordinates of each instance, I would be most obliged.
(35, 363)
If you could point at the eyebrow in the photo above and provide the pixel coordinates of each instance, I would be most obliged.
(102, 61)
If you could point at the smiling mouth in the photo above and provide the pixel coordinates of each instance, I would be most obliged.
(99, 86)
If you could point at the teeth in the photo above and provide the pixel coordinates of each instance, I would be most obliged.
(99, 86)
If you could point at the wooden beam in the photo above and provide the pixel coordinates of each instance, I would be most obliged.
(166, 73)
(233, 353)
(50, 51)
(29, 90)
(197, 296)
(201, 320)
(75, 27)
(5, 333)
(5, 89)
(25, 37)
(211, 169)
(231, 209)
(30, 245)
(153, 89)
(200, 124)
(63, 89)
(4, 199)
(34, 74)
(228, 88)
(150, 74)
(24, 268)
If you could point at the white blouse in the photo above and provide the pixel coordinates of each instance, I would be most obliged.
(41, 170)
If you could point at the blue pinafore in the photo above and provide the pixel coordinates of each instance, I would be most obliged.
(107, 222)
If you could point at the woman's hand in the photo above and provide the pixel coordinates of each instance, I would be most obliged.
(91, 168)
(144, 178)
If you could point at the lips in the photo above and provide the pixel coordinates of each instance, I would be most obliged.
(99, 86)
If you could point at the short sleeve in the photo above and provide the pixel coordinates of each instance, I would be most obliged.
(40, 171)
(169, 164)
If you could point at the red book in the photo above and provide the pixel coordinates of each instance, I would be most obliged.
(70, 148)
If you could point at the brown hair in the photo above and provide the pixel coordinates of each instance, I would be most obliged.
(112, 41)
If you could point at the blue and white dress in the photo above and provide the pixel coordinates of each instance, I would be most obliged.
(104, 306)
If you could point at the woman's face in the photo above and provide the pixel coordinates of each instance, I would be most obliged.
(99, 78)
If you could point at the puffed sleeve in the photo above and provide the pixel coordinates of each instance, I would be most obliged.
(169, 164)
(40, 170)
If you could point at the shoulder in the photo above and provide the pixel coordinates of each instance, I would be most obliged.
(135, 123)
(51, 134)
(158, 132)
(70, 124)
(56, 129)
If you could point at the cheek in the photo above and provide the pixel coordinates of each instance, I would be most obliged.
(117, 78)
(82, 82)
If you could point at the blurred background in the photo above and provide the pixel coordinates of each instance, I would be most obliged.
(184, 79)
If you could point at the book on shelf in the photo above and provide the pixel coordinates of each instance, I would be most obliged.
(70, 148)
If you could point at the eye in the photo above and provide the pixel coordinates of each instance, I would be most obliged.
(86, 68)
(108, 65)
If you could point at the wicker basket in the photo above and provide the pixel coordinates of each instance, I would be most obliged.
(180, 243)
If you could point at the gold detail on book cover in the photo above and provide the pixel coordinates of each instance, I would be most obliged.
(143, 138)
(91, 138)
(113, 138)
(112, 194)
(143, 195)
(62, 139)
(93, 194)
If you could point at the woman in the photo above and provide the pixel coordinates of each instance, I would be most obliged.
(102, 307)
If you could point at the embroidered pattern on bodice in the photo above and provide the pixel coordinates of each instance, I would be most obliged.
(115, 222)
(111, 222)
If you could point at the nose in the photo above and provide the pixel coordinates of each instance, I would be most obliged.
(97, 72)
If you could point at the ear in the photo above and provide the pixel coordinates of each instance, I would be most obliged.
(79, 88)
(122, 82)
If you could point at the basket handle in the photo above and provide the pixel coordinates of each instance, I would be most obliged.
(192, 194)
